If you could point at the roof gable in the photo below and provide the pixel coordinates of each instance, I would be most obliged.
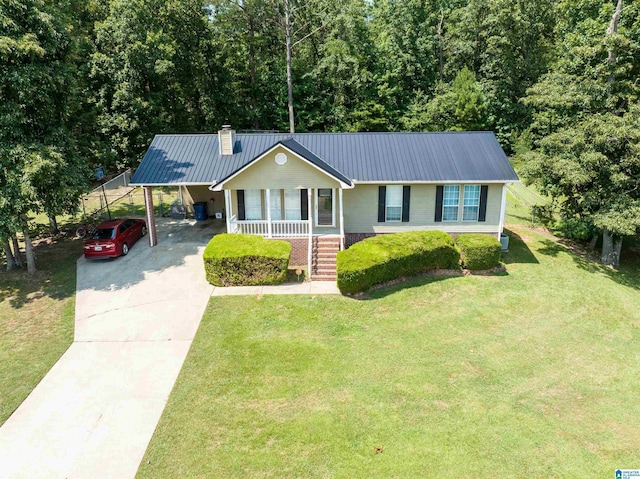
(296, 172)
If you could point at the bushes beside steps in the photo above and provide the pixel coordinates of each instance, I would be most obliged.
(246, 260)
(479, 251)
(387, 257)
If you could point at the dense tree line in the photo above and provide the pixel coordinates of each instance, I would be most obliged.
(86, 83)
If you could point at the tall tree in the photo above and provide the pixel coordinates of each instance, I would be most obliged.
(587, 120)
(459, 106)
(37, 82)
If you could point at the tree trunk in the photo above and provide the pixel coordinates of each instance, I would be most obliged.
(29, 253)
(440, 45)
(593, 241)
(613, 28)
(16, 252)
(287, 27)
(11, 262)
(53, 225)
(252, 72)
(611, 247)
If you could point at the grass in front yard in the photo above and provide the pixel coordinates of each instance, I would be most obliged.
(532, 373)
(36, 320)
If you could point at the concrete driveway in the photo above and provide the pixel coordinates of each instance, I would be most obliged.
(94, 413)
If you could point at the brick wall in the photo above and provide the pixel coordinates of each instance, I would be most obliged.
(352, 238)
(299, 250)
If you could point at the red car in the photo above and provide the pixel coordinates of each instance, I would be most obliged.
(114, 238)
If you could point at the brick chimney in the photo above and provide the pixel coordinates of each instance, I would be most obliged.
(226, 140)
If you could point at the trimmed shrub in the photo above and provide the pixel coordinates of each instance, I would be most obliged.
(479, 251)
(385, 258)
(245, 260)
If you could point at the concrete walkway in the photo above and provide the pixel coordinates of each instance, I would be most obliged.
(94, 413)
(314, 287)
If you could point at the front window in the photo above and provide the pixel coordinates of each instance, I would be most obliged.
(471, 203)
(253, 204)
(450, 203)
(275, 204)
(292, 205)
(394, 203)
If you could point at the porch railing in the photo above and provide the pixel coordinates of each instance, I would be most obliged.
(279, 228)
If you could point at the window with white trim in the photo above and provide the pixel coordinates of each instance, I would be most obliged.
(292, 205)
(253, 204)
(471, 203)
(275, 204)
(450, 203)
(393, 203)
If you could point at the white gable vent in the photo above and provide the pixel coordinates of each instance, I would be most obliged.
(226, 140)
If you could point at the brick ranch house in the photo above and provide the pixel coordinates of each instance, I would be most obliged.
(324, 191)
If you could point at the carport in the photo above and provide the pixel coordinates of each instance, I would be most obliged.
(189, 195)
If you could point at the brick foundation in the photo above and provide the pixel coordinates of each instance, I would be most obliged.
(352, 238)
(299, 252)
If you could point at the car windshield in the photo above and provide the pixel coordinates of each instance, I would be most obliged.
(103, 234)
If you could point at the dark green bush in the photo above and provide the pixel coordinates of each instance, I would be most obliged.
(390, 256)
(245, 260)
(479, 251)
(575, 228)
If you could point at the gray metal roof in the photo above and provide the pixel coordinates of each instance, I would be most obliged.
(361, 157)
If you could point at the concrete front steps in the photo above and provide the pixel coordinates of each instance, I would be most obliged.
(323, 258)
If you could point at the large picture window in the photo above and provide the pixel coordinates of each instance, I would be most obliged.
(292, 205)
(275, 204)
(253, 204)
(393, 203)
(450, 203)
(471, 203)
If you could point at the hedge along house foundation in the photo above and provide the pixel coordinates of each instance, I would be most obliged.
(323, 192)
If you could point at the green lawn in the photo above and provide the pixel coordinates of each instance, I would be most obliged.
(36, 320)
(531, 373)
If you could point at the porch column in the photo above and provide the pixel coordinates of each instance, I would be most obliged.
(310, 219)
(227, 208)
(503, 206)
(341, 220)
(269, 228)
(151, 221)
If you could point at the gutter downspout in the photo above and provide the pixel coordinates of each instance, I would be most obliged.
(310, 215)
(502, 209)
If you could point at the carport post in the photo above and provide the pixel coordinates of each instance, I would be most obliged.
(151, 221)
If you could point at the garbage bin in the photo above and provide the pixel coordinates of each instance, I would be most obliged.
(200, 211)
(504, 242)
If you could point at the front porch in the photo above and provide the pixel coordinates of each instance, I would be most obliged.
(299, 215)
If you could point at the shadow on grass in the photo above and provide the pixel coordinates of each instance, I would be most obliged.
(402, 284)
(55, 278)
(519, 252)
(627, 275)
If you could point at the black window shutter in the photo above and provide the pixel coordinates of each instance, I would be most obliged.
(382, 200)
(482, 213)
(241, 214)
(439, 198)
(304, 205)
(406, 200)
